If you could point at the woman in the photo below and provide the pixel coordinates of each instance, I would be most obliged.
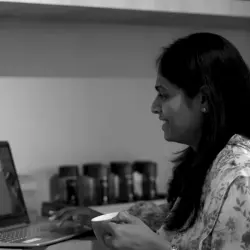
(203, 93)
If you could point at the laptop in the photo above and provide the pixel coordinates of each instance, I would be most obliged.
(16, 229)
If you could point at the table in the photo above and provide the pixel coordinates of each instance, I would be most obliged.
(88, 242)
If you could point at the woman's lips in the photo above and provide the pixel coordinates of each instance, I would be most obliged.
(164, 124)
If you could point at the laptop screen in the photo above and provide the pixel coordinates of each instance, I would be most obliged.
(12, 208)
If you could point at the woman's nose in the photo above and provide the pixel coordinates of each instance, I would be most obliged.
(155, 107)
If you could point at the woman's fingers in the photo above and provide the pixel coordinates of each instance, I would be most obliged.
(123, 217)
(61, 213)
(66, 217)
(109, 241)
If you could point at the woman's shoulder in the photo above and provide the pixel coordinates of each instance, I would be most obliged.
(232, 161)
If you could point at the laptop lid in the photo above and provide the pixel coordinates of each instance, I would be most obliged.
(12, 207)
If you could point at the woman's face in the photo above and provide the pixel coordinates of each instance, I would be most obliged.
(182, 117)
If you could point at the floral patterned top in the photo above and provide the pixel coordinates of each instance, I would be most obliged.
(224, 222)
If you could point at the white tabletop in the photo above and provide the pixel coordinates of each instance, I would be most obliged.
(76, 244)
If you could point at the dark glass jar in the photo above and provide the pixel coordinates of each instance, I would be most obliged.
(125, 172)
(99, 172)
(87, 191)
(148, 169)
(68, 179)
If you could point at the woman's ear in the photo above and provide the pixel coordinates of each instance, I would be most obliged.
(204, 93)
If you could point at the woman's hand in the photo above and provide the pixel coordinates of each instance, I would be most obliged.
(127, 232)
(81, 215)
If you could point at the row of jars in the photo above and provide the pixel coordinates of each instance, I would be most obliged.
(99, 184)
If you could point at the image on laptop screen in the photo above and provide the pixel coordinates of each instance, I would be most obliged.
(11, 199)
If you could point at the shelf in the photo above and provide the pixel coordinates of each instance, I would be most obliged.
(136, 12)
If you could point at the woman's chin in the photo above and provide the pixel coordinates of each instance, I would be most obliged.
(167, 137)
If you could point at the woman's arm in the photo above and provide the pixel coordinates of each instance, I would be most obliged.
(151, 214)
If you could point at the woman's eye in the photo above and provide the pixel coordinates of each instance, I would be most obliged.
(163, 96)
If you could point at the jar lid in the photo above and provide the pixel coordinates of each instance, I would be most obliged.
(145, 167)
(121, 167)
(95, 170)
(68, 170)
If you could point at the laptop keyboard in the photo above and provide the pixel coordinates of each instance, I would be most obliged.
(32, 231)
(19, 234)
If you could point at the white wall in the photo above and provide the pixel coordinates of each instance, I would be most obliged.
(73, 93)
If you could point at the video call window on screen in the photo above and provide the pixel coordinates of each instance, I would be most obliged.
(10, 197)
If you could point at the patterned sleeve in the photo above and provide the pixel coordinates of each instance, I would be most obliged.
(151, 214)
(232, 229)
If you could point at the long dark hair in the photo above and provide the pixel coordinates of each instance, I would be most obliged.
(192, 62)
